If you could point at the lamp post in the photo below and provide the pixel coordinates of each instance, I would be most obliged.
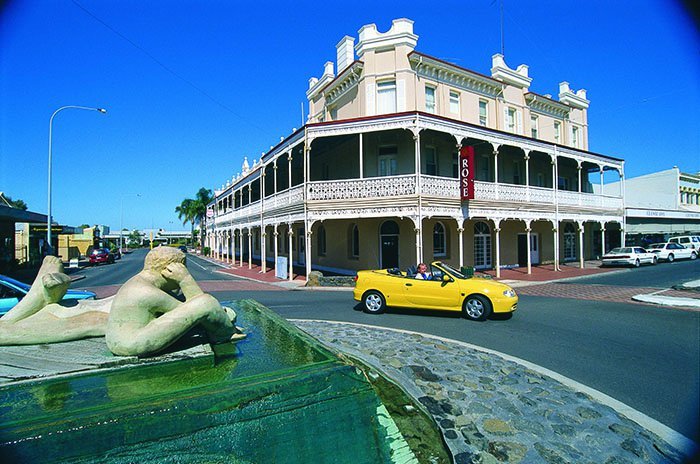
(121, 218)
(48, 220)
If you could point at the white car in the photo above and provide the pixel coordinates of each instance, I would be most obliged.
(628, 256)
(671, 251)
(688, 241)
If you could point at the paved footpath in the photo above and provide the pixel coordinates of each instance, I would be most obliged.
(492, 408)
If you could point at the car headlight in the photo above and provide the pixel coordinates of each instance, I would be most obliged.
(510, 293)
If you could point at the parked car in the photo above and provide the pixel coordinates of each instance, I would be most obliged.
(447, 289)
(672, 251)
(628, 256)
(688, 241)
(12, 291)
(101, 255)
(182, 248)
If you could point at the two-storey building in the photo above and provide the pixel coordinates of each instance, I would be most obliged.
(373, 178)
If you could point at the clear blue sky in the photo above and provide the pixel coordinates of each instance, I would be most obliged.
(181, 80)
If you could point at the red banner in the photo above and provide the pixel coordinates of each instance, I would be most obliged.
(466, 173)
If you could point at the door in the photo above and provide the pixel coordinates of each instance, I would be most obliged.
(534, 248)
(482, 246)
(434, 294)
(522, 250)
(301, 246)
(390, 251)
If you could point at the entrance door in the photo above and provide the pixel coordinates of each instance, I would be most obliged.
(482, 246)
(301, 246)
(389, 245)
(534, 249)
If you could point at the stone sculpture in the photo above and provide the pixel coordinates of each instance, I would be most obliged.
(143, 318)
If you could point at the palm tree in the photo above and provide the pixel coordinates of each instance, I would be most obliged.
(202, 199)
(186, 213)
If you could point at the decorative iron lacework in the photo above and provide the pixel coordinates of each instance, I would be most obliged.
(375, 187)
(440, 186)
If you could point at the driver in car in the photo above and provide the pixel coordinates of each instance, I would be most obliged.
(423, 273)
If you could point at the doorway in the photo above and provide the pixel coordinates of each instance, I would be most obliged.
(534, 249)
(482, 246)
(389, 245)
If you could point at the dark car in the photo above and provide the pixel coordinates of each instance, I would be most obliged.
(101, 255)
(182, 248)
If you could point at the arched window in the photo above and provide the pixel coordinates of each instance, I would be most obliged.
(354, 241)
(439, 240)
(321, 233)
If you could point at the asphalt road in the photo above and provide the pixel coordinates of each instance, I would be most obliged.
(647, 357)
(661, 275)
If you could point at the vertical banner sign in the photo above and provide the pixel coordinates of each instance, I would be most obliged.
(466, 173)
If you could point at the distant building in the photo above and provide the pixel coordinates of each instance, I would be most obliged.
(373, 180)
(661, 205)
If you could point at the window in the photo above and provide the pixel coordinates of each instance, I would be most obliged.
(510, 120)
(569, 242)
(386, 97)
(388, 163)
(534, 126)
(516, 172)
(455, 165)
(483, 112)
(430, 161)
(321, 233)
(563, 183)
(454, 102)
(540, 180)
(355, 241)
(439, 240)
(575, 137)
(557, 131)
(430, 99)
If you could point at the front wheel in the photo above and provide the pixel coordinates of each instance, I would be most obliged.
(654, 261)
(636, 263)
(476, 307)
(670, 258)
(373, 302)
(693, 255)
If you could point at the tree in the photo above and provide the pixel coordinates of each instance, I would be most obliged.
(19, 204)
(186, 213)
(204, 197)
(134, 239)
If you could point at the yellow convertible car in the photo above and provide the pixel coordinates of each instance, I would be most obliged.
(445, 289)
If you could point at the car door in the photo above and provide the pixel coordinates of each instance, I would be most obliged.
(643, 256)
(433, 293)
(679, 251)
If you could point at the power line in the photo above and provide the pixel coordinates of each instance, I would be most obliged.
(166, 67)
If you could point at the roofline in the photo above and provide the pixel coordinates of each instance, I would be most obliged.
(350, 66)
(496, 81)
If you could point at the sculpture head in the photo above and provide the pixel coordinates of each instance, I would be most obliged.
(158, 258)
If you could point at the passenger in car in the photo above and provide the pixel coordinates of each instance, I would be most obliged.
(423, 273)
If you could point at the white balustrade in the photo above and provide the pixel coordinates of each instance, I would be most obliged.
(440, 186)
(374, 187)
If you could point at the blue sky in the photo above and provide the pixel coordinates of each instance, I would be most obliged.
(179, 80)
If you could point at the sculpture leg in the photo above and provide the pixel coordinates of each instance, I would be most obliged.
(49, 287)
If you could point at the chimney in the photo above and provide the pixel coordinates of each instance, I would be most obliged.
(345, 53)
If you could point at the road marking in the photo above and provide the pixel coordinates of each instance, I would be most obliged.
(676, 439)
(197, 264)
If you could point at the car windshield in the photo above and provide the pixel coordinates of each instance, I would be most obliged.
(657, 246)
(14, 282)
(453, 271)
(620, 250)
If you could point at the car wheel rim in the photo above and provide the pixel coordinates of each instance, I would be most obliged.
(475, 308)
(373, 302)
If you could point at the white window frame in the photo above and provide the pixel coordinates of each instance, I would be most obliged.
(534, 126)
(428, 109)
(437, 253)
(484, 119)
(385, 104)
(511, 119)
(430, 150)
(557, 132)
(387, 159)
(575, 136)
(454, 102)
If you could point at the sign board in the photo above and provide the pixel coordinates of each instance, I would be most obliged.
(210, 213)
(281, 268)
(466, 173)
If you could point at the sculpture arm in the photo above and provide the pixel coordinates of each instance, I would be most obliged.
(189, 288)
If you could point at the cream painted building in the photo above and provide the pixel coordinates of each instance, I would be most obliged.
(372, 179)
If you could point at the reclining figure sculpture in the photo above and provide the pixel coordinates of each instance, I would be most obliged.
(143, 318)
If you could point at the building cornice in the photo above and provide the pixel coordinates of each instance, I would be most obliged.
(343, 83)
(432, 67)
(546, 105)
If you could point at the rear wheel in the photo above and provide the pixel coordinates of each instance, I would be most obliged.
(374, 302)
(670, 258)
(636, 263)
(655, 260)
(693, 255)
(477, 307)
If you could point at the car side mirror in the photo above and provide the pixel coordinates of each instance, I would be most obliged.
(446, 278)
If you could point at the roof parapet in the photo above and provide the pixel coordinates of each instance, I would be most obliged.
(517, 77)
(576, 100)
(400, 33)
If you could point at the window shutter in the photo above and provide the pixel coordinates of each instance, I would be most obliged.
(505, 118)
(400, 95)
(370, 99)
(519, 122)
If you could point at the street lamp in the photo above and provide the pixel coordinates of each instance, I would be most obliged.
(121, 218)
(48, 221)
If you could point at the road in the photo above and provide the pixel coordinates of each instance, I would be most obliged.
(645, 356)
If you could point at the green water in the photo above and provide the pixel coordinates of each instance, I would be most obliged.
(282, 398)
